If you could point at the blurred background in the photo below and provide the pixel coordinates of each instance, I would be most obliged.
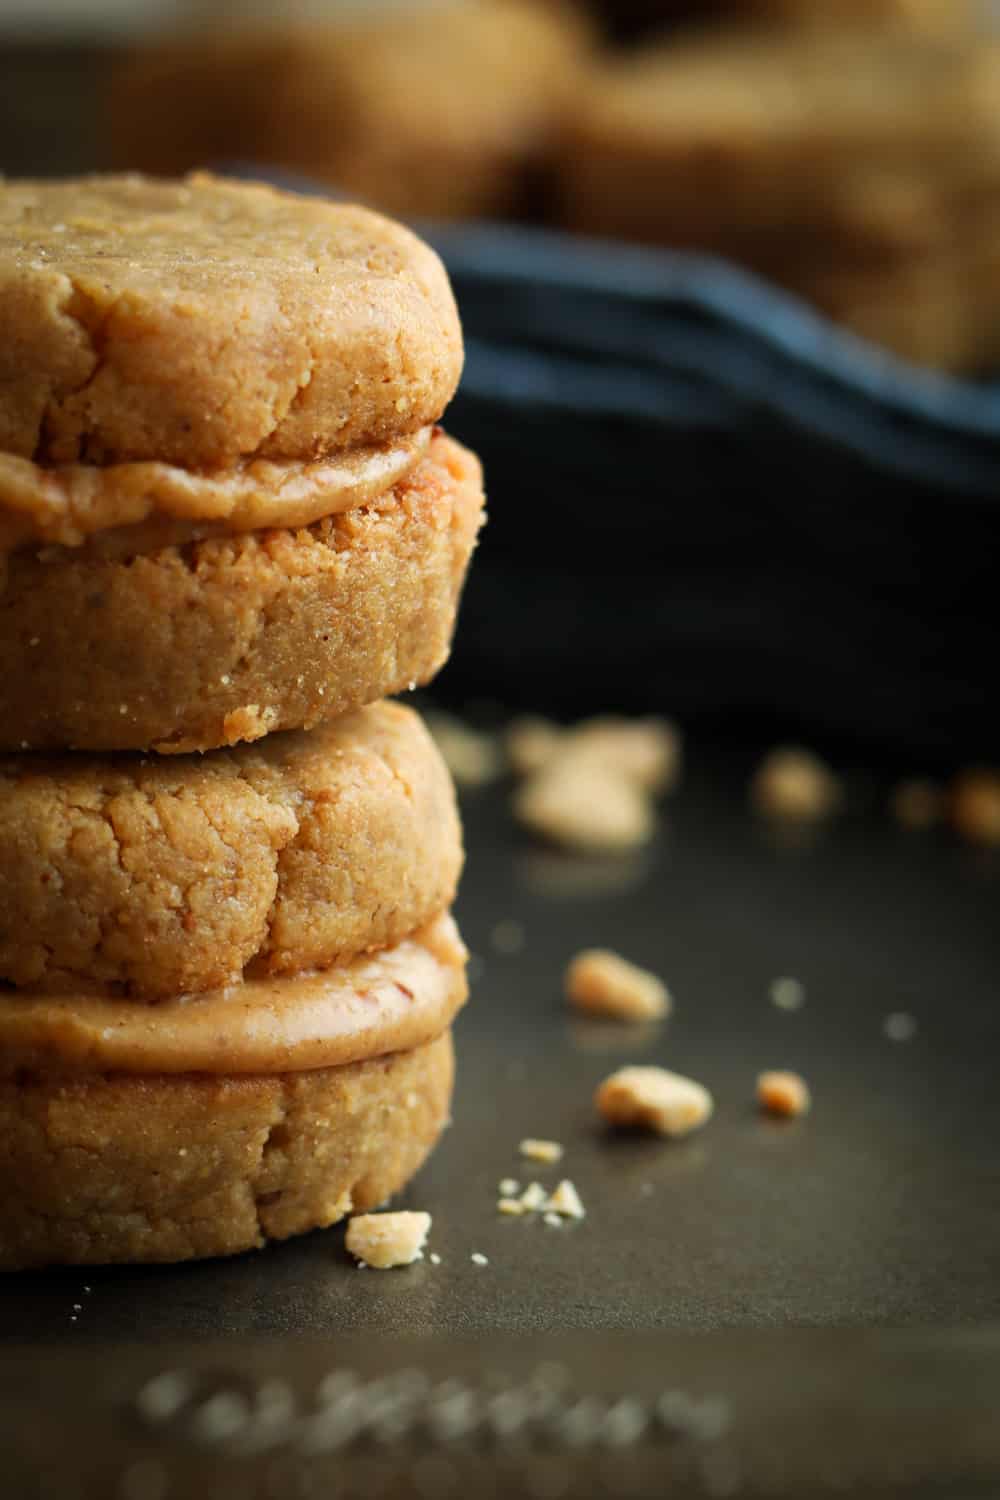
(730, 276)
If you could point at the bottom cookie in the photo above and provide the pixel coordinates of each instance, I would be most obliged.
(114, 1168)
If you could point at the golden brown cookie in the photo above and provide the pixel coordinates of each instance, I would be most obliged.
(857, 169)
(735, 142)
(434, 112)
(103, 1168)
(169, 875)
(198, 322)
(194, 646)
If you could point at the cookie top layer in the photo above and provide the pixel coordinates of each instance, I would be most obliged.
(151, 878)
(202, 321)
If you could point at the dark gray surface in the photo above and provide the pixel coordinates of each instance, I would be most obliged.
(881, 1208)
(898, 1416)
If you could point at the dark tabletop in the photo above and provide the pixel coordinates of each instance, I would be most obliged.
(879, 1211)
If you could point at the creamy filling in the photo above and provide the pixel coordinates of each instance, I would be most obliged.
(139, 507)
(385, 1002)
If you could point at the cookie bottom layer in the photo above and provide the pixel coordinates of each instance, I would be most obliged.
(108, 1169)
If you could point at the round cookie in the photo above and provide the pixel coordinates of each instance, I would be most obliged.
(97, 1169)
(195, 322)
(438, 112)
(208, 643)
(160, 877)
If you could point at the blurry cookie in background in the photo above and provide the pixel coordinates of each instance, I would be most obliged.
(426, 111)
(857, 168)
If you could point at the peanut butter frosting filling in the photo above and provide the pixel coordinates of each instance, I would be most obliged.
(388, 1002)
(142, 506)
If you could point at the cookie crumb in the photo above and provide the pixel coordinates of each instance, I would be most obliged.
(508, 1187)
(566, 1202)
(543, 1151)
(602, 983)
(900, 1026)
(654, 1099)
(794, 786)
(644, 751)
(434, 1258)
(785, 1094)
(472, 757)
(917, 804)
(478, 1259)
(788, 994)
(975, 806)
(512, 1206)
(386, 1240)
(533, 1198)
(580, 804)
(531, 742)
(552, 1220)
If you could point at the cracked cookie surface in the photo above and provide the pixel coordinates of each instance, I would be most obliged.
(209, 643)
(163, 876)
(202, 321)
(97, 1169)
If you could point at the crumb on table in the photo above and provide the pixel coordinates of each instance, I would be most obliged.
(603, 983)
(387, 1240)
(654, 1099)
(543, 1151)
(788, 994)
(473, 757)
(900, 1026)
(974, 806)
(783, 1093)
(795, 786)
(565, 1201)
(581, 804)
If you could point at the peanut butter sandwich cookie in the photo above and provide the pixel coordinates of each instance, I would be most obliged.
(228, 983)
(224, 506)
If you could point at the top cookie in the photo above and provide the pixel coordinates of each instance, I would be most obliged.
(201, 321)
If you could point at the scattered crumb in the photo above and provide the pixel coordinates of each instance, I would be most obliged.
(533, 1198)
(512, 1206)
(507, 936)
(916, 804)
(478, 1259)
(566, 1201)
(531, 743)
(783, 1094)
(552, 1220)
(795, 786)
(386, 1240)
(544, 1151)
(473, 758)
(654, 1099)
(508, 1186)
(605, 984)
(580, 804)
(788, 994)
(900, 1026)
(645, 751)
(434, 1258)
(975, 806)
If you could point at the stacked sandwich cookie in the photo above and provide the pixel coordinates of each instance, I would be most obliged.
(229, 527)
